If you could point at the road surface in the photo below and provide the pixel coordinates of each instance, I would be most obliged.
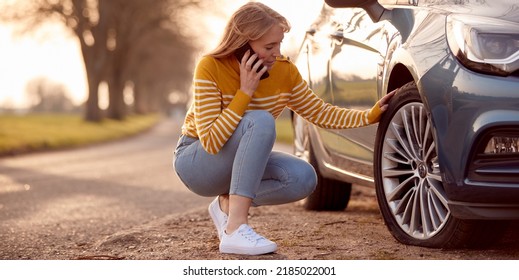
(69, 199)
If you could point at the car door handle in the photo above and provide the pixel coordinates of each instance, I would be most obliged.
(339, 36)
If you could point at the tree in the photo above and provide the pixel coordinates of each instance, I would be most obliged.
(156, 76)
(110, 33)
(48, 96)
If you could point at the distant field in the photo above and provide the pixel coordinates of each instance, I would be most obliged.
(35, 132)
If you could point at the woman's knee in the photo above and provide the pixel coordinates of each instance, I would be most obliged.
(261, 121)
(295, 174)
(307, 179)
(303, 179)
(259, 116)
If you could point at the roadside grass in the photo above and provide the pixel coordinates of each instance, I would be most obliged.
(37, 132)
(284, 131)
(40, 132)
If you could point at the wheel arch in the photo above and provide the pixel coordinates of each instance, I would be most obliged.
(403, 72)
(399, 76)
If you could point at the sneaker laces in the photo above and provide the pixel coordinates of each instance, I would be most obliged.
(251, 235)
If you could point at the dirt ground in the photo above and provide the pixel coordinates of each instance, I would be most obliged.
(355, 234)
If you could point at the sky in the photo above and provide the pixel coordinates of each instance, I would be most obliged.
(22, 59)
(57, 57)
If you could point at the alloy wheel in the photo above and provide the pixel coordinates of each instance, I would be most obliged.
(410, 172)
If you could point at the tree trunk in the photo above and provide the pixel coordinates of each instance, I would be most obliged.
(117, 107)
(94, 55)
(140, 100)
(92, 111)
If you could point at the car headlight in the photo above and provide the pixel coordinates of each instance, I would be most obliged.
(484, 44)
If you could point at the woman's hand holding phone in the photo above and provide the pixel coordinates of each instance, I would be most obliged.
(251, 71)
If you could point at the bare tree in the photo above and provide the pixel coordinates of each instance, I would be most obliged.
(157, 71)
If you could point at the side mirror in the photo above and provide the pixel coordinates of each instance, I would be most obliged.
(372, 7)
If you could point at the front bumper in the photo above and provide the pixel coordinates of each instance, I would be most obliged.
(466, 108)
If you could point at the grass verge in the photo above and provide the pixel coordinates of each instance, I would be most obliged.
(37, 132)
(284, 131)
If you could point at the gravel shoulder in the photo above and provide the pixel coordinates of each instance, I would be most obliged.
(355, 234)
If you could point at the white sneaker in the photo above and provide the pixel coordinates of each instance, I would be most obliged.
(245, 241)
(218, 216)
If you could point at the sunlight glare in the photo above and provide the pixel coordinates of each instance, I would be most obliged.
(56, 57)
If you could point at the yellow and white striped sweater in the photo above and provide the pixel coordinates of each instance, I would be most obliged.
(218, 104)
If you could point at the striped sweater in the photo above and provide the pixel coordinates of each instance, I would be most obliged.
(218, 104)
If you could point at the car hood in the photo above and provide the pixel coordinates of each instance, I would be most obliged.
(502, 9)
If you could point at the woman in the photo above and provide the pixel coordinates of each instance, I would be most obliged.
(228, 134)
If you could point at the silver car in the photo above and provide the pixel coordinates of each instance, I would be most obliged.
(444, 159)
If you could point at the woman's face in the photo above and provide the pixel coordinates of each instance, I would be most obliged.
(268, 46)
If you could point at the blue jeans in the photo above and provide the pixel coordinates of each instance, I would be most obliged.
(246, 165)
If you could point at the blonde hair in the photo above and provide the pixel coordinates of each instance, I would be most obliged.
(249, 22)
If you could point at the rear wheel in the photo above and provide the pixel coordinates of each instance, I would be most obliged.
(329, 194)
(409, 184)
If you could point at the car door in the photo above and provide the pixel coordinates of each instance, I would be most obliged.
(355, 69)
(313, 63)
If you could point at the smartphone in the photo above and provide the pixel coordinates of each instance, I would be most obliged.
(241, 52)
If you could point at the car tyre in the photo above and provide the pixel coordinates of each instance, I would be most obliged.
(329, 194)
(409, 184)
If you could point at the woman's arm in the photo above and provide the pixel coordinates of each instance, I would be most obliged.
(214, 124)
(309, 106)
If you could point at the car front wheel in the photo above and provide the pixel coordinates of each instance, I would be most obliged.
(409, 184)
